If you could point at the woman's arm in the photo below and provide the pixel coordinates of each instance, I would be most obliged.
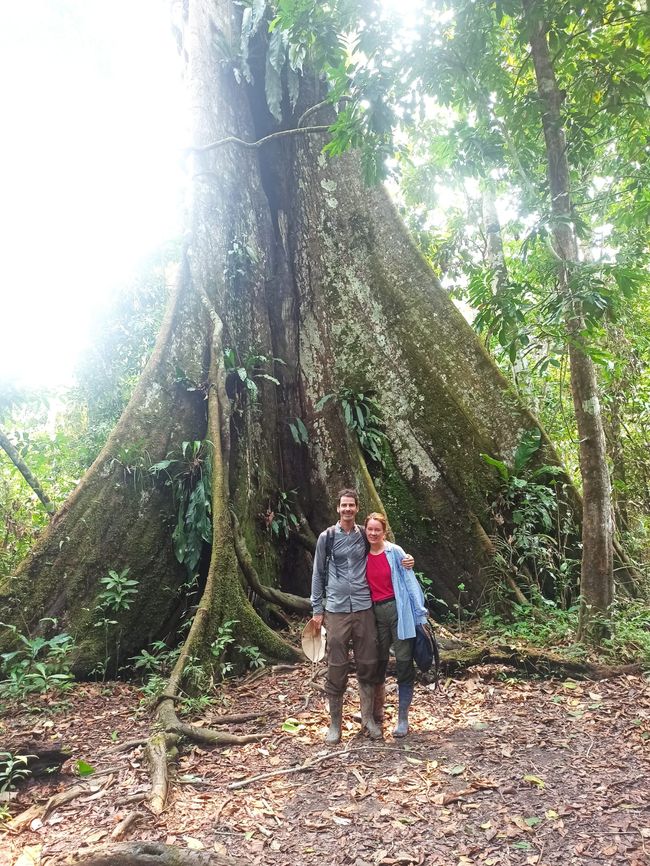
(413, 588)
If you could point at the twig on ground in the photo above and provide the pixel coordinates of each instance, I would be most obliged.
(39, 810)
(120, 829)
(307, 765)
(126, 746)
(233, 720)
(131, 798)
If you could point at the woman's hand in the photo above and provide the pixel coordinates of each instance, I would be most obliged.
(408, 561)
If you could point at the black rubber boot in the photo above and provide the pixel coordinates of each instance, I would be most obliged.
(405, 691)
(367, 697)
(333, 735)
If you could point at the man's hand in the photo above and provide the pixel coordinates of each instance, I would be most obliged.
(408, 561)
(316, 622)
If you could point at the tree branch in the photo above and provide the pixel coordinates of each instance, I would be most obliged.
(26, 472)
(253, 145)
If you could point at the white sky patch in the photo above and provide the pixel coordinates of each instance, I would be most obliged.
(90, 168)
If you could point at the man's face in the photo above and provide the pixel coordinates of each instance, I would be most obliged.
(347, 509)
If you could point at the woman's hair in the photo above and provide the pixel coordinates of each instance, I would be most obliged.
(376, 515)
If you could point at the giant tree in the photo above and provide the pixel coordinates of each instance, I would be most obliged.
(296, 282)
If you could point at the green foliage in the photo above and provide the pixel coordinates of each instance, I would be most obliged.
(242, 375)
(282, 519)
(427, 587)
(545, 624)
(119, 591)
(253, 656)
(44, 436)
(299, 432)
(116, 598)
(59, 433)
(363, 416)
(628, 626)
(533, 525)
(200, 677)
(541, 624)
(189, 474)
(38, 665)
(13, 769)
(240, 259)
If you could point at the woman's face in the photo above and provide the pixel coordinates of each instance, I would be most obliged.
(375, 531)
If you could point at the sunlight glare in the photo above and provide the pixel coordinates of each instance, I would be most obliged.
(90, 168)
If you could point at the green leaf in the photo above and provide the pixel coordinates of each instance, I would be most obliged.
(304, 434)
(267, 377)
(528, 446)
(499, 465)
(292, 726)
(323, 400)
(84, 769)
(534, 780)
(272, 75)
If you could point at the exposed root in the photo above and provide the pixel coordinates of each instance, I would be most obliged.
(157, 758)
(539, 662)
(269, 593)
(162, 745)
(149, 854)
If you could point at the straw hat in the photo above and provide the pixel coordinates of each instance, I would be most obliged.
(313, 645)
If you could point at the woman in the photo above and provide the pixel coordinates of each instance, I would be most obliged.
(398, 603)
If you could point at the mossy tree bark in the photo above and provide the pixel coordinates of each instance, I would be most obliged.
(288, 255)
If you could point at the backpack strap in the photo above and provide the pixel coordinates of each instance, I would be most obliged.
(329, 547)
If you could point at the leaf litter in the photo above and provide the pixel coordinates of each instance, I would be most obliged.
(496, 770)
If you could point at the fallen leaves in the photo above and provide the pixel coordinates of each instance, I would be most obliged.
(480, 772)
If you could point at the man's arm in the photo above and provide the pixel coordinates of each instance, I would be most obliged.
(317, 583)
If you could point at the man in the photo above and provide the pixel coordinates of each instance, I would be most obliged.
(348, 613)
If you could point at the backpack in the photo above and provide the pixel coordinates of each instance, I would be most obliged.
(426, 651)
(329, 547)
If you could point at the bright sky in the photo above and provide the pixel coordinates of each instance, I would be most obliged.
(90, 170)
(91, 174)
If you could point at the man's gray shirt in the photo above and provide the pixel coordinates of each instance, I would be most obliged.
(347, 587)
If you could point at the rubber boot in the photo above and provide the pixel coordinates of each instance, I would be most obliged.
(367, 696)
(379, 700)
(405, 691)
(333, 735)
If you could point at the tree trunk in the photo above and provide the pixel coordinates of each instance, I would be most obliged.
(597, 577)
(288, 256)
(25, 471)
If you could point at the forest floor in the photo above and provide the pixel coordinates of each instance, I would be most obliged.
(496, 770)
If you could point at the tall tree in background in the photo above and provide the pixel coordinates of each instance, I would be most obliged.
(597, 567)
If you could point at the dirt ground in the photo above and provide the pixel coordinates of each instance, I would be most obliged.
(496, 770)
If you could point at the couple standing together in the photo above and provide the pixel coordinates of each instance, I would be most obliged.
(372, 600)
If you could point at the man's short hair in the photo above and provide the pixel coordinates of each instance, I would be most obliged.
(347, 491)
